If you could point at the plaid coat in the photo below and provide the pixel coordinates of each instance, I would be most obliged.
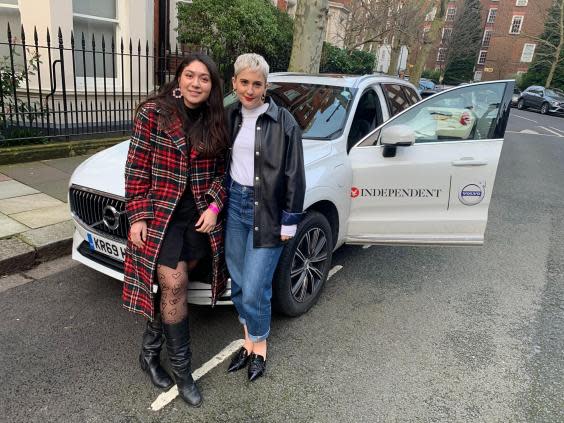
(156, 174)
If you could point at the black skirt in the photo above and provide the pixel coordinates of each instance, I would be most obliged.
(181, 241)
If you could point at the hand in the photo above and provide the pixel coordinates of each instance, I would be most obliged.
(285, 237)
(206, 222)
(138, 233)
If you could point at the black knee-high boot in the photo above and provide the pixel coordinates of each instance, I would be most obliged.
(149, 358)
(178, 347)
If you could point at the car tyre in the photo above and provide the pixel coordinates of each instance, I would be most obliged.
(521, 104)
(303, 266)
(544, 108)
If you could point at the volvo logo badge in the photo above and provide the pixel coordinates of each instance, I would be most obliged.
(110, 216)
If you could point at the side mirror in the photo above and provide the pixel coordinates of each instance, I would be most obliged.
(394, 136)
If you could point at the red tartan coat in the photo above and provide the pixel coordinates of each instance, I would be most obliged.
(156, 174)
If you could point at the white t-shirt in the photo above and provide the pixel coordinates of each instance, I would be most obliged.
(243, 154)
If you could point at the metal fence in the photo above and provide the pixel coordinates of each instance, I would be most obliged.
(88, 87)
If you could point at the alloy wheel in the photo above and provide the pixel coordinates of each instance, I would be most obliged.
(307, 265)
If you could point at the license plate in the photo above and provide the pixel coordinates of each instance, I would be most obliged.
(112, 249)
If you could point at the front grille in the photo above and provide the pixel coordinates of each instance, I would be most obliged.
(89, 206)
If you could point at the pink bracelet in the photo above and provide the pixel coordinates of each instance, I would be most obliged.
(213, 207)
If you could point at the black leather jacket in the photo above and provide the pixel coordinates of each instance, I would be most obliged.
(279, 175)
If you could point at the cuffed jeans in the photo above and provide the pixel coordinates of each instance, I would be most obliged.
(251, 269)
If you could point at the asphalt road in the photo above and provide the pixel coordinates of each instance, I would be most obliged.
(400, 334)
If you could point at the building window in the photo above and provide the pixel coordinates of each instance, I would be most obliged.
(491, 16)
(478, 76)
(482, 57)
(521, 2)
(528, 53)
(447, 32)
(94, 19)
(10, 14)
(487, 37)
(451, 12)
(516, 25)
(431, 15)
(441, 55)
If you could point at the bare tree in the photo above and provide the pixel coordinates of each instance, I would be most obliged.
(309, 29)
(551, 42)
(429, 38)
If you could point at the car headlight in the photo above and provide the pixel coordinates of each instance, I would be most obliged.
(554, 103)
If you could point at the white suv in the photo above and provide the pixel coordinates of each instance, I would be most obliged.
(382, 167)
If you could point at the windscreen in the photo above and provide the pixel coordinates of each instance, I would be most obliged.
(320, 110)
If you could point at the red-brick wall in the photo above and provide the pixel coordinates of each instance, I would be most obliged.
(504, 52)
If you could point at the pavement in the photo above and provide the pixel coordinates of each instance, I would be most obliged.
(35, 221)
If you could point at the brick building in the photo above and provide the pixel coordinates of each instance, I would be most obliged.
(506, 49)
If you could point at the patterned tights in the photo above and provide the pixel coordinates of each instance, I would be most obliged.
(174, 290)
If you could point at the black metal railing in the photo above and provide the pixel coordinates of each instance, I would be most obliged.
(89, 87)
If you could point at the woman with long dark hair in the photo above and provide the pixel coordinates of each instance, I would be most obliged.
(174, 188)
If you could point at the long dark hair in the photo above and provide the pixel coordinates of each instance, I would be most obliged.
(209, 134)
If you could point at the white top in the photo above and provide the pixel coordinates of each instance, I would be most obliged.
(243, 154)
(243, 162)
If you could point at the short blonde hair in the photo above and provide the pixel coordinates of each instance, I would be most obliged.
(251, 61)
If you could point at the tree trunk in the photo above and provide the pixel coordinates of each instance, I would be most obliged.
(309, 29)
(428, 43)
(394, 55)
(558, 49)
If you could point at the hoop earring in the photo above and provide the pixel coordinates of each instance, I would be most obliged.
(176, 93)
(263, 98)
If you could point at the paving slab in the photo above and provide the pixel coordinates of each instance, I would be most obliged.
(9, 189)
(33, 173)
(15, 255)
(9, 227)
(66, 164)
(27, 202)
(51, 241)
(4, 177)
(56, 189)
(43, 217)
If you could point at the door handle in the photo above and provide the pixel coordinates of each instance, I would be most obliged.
(469, 161)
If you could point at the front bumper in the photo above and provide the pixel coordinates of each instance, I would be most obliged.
(199, 293)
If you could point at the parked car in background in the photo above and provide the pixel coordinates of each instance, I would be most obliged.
(545, 100)
(515, 97)
(382, 167)
(427, 88)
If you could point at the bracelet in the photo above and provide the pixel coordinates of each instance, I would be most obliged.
(213, 207)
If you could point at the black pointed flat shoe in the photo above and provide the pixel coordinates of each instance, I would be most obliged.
(257, 366)
(239, 361)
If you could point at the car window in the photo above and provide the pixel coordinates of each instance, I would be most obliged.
(320, 110)
(367, 116)
(396, 98)
(468, 113)
(410, 95)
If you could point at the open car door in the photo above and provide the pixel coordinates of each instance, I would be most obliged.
(426, 176)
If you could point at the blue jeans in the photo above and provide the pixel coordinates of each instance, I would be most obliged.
(251, 269)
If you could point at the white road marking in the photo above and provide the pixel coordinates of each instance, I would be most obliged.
(551, 131)
(365, 247)
(166, 397)
(334, 270)
(521, 117)
(527, 133)
(556, 129)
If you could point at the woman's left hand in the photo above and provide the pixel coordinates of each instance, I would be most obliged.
(206, 222)
(285, 238)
